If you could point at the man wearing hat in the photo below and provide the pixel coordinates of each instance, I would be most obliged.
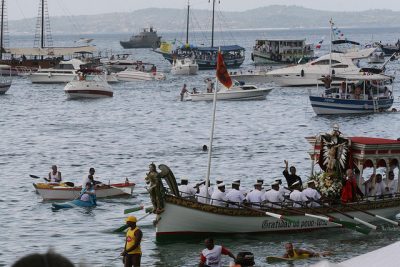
(261, 181)
(235, 196)
(218, 198)
(292, 177)
(132, 251)
(311, 194)
(297, 196)
(255, 197)
(274, 196)
(202, 194)
(284, 191)
(185, 189)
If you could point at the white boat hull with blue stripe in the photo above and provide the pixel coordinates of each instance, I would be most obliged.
(330, 106)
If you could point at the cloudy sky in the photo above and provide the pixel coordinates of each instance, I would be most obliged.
(18, 9)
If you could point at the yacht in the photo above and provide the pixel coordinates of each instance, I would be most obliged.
(5, 80)
(185, 66)
(64, 72)
(89, 84)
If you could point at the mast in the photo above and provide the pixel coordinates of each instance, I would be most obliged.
(42, 27)
(187, 24)
(212, 30)
(2, 29)
(330, 48)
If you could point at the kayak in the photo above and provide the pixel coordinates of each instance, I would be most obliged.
(73, 204)
(273, 259)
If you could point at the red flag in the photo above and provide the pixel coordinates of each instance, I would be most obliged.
(222, 72)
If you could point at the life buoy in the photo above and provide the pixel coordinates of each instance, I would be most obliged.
(302, 73)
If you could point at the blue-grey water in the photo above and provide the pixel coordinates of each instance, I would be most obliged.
(145, 122)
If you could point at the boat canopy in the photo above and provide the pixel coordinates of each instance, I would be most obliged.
(51, 51)
(362, 76)
(344, 42)
(225, 48)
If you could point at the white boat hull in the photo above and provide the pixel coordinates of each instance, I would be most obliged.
(88, 89)
(255, 94)
(52, 78)
(184, 67)
(70, 193)
(4, 86)
(130, 75)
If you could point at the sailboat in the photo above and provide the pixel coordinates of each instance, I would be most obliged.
(43, 54)
(206, 57)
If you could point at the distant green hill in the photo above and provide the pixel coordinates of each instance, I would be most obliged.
(275, 16)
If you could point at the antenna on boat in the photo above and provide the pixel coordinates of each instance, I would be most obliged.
(187, 23)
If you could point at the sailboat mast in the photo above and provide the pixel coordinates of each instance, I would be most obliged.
(212, 30)
(2, 29)
(187, 24)
(42, 27)
(330, 48)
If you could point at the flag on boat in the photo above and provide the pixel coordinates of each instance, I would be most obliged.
(222, 72)
(318, 46)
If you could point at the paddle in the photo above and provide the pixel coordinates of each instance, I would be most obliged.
(125, 226)
(71, 184)
(126, 211)
(271, 214)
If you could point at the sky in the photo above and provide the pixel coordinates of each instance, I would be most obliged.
(19, 9)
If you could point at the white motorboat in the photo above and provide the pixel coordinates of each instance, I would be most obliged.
(130, 75)
(185, 66)
(377, 57)
(88, 85)
(64, 72)
(307, 74)
(358, 94)
(238, 91)
(5, 80)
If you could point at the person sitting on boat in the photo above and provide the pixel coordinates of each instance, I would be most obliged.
(391, 184)
(296, 196)
(184, 91)
(88, 194)
(283, 190)
(274, 196)
(295, 253)
(255, 197)
(194, 91)
(350, 190)
(211, 255)
(186, 190)
(292, 177)
(327, 80)
(218, 197)
(357, 92)
(343, 90)
(90, 179)
(209, 85)
(379, 186)
(312, 194)
(235, 196)
(54, 176)
(202, 195)
(261, 181)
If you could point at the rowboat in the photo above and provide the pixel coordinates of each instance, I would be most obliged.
(64, 192)
(72, 204)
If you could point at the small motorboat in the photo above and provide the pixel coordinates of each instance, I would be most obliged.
(64, 72)
(5, 79)
(89, 84)
(130, 75)
(185, 66)
(65, 192)
(239, 91)
(72, 204)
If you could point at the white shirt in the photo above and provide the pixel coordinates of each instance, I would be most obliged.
(310, 193)
(284, 191)
(213, 256)
(54, 178)
(297, 196)
(273, 196)
(201, 196)
(392, 185)
(187, 190)
(379, 189)
(255, 196)
(218, 198)
(235, 196)
(85, 181)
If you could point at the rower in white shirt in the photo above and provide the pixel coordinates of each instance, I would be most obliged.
(379, 186)
(391, 184)
(284, 191)
(202, 194)
(274, 196)
(296, 195)
(255, 197)
(218, 181)
(261, 181)
(218, 197)
(186, 190)
(311, 194)
(244, 192)
(234, 195)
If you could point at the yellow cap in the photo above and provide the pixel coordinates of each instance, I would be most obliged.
(131, 219)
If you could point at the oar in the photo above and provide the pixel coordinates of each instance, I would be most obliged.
(374, 227)
(271, 214)
(125, 226)
(34, 176)
(126, 211)
(371, 214)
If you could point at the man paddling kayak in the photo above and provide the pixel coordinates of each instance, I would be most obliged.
(295, 253)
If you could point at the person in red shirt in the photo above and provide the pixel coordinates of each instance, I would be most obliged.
(211, 255)
(350, 189)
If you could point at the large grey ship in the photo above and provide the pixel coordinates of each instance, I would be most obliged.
(147, 38)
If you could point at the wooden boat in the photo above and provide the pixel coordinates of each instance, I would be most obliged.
(72, 204)
(64, 192)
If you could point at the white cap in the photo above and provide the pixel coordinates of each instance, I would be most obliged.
(275, 183)
(220, 185)
(237, 181)
(311, 182)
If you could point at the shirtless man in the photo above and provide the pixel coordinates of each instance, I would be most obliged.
(295, 253)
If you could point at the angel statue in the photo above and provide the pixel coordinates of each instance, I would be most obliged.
(154, 182)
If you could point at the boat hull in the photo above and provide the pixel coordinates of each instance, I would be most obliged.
(4, 86)
(49, 192)
(88, 89)
(130, 76)
(331, 106)
(257, 94)
(182, 217)
(49, 78)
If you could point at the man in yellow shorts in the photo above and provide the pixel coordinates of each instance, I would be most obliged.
(132, 252)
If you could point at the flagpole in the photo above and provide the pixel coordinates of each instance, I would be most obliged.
(211, 137)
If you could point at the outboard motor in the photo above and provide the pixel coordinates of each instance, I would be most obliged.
(245, 259)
